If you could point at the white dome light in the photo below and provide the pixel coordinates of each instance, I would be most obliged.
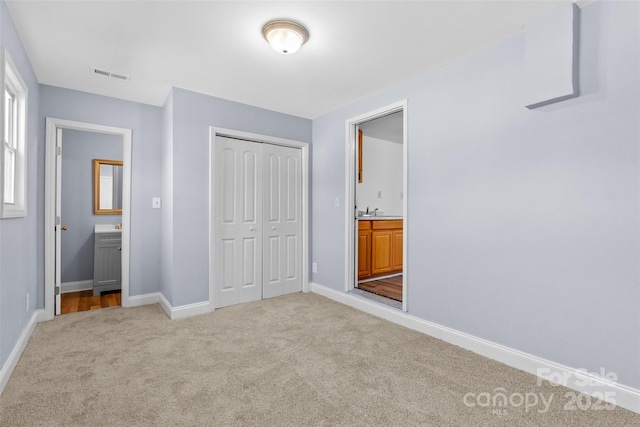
(285, 37)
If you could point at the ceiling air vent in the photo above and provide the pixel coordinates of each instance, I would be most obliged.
(118, 76)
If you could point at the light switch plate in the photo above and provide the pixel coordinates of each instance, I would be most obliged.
(156, 203)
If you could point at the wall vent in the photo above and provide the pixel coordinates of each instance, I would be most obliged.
(118, 76)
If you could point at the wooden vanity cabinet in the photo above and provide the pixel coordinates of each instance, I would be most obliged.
(379, 248)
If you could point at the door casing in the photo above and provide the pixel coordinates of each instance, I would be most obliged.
(53, 125)
(351, 128)
(252, 137)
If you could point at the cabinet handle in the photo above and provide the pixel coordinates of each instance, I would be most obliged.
(251, 228)
(273, 228)
(63, 228)
(119, 249)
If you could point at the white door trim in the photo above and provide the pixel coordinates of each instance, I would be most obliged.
(351, 124)
(52, 126)
(304, 147)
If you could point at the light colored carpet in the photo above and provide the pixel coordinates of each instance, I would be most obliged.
(291, 361)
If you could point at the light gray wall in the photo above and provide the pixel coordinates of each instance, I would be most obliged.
(146, 123)
(19, 236)
(193, 114)
(523, 225)
(381, 172)
(79, 148)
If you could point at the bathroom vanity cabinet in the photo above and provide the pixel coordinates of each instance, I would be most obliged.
(379, 247)
(107, 259)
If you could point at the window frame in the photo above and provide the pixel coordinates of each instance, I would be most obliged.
(14, 84)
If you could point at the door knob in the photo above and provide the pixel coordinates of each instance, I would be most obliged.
(63, 228)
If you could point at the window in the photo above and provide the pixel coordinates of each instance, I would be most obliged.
(14, 147)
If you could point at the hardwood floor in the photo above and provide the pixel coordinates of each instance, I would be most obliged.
(390, 287)
(73, 302)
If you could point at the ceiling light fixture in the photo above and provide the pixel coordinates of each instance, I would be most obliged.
(285, 36)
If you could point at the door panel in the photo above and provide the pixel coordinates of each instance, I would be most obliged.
(228, 261)
(238, 220)
(283, 204)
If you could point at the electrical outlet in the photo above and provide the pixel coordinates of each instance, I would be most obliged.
(26, 303)
(156, 203)
(336, 202)
(314, 268)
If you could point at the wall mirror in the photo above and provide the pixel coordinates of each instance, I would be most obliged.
(107, 187)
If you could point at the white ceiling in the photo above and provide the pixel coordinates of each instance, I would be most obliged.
(216, 47)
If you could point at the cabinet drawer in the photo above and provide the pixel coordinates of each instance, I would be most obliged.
(390, 224)
(364, 225)
(108, 237)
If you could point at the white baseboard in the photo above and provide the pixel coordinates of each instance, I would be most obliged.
(165, 305)
(14, 357)
(144, 299)
(81, 285)
(576, 379)
(183, 311)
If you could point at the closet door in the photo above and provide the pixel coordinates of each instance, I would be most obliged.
(282, 200)
(238, 221)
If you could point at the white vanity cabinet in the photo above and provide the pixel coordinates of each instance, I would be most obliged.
(107, 259)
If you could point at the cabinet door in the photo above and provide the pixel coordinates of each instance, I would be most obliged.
(107, 262)
(381, 251)
(364, 254)
(396, 250)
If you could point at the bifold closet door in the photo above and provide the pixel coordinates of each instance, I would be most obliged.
(282, 223)
(238, 221)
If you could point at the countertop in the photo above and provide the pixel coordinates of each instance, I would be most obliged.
(378, 218)
(107, 228)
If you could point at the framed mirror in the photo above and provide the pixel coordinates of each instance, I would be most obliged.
(107, 187)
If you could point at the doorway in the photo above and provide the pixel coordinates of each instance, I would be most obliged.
(258, 217)
(376, 188)
(91, 170)
(54, 219)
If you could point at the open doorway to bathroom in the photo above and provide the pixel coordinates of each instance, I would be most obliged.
(91, 219)
(377, 188)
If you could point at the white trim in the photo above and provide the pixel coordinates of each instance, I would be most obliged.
(351, 124)
(80, 285)
(19, 208)
(144, 299)
(624, 396)
(52, 126)
(183, 311)
(304, 147)
(14, 357)
(165, 305)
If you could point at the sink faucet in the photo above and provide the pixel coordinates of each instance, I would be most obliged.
(368, 212)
